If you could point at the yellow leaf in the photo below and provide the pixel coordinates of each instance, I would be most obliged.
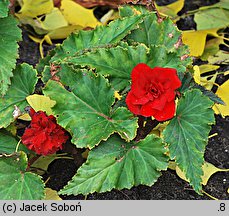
(221, 57)
(25, 117)
(207, 68)
(226, 73)
(63, 32)
(171, 9)
(75, 14)
(204, 81)
(110, 15)
(209, 82)
(53, 20)
(35, 39)
(211, 47)
(172, 165)
(196, 75)
(159, 129)
(208, 169)
(181, 174)
(39, 102)
(196, 40)
(51, 194)
(222, 92)
(34, 8)
(117, 95)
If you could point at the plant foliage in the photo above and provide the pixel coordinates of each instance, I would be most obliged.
(127, 165)
(10, 34)
(85, 83)
(16, 182)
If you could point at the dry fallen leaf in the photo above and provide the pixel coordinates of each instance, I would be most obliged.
(208, 169)
(172, 9)
(39, 102)
(203, 80)
(53, 20)
(221, 57)
(34, 8)
(196, 40)
(222, 92)
(51, 194)
(75, 14)
(211, 48)
(117, 95)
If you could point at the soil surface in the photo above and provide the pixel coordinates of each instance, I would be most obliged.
(169, 185)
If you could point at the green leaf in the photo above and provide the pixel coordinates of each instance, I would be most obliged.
(118, 62)
(151, 32)
(212, 18)
(102, 35)
(221, 4)
(44, 62)
(187, 82)
(16, 182)
(117, 164)
(8, 143)
(22, 85)
(4, 8)
(126, 11)
(88, 110)
(187, 134)
(10, 34)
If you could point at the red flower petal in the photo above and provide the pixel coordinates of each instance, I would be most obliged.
(153, 92)
(131, 103)
(167, 76)
(43, 135)
(167, 113)
(140, 81)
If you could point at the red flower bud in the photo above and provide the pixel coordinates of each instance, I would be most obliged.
(44, 135)
(153, 92)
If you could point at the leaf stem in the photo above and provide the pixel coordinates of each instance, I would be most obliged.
(16, 150)
(207, 194)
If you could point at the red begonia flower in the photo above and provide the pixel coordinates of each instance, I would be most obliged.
(44, 135)
(153, 92)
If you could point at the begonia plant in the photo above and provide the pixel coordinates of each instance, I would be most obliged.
(125, 92)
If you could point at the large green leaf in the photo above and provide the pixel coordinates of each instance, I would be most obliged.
(117, 164)
(22, 85)
(102, 35)
(8, 143)
(187, 134)
(4, 8)
(86, 111)
(151, 32)
(118, 62)
(10, 34)
(16, 183)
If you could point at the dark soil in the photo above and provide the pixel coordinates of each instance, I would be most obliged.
(169, 185)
